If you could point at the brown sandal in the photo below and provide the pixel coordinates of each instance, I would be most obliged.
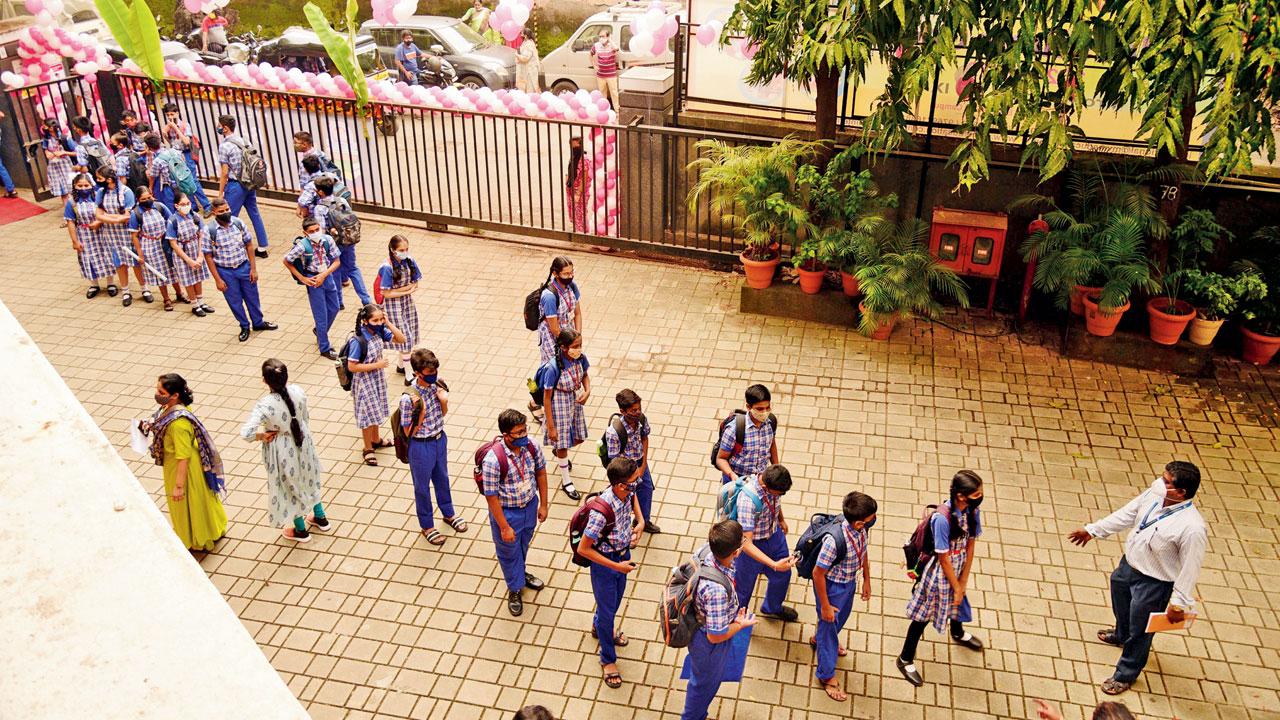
(613, 680)
(382, 444)
(168, 305)
(370, 458)
(433, 536)
(831, 688)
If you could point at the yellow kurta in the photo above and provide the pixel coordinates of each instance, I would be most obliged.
(199, 518)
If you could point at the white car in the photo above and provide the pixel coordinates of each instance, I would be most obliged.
(570, 66)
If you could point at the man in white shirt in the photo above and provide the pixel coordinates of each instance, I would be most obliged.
(1162, 558)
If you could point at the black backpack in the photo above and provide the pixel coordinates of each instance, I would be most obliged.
(533, 303)
(344, 371)
(678, 614)
(620, 427)
(137, 170)
(919, 547)
(341, 222)
(739, 417)
(809, 546)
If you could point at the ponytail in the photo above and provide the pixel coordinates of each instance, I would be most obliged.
(963, 483)
(276, 375)
(175, 384)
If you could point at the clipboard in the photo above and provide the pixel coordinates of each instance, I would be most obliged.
(1159, 623)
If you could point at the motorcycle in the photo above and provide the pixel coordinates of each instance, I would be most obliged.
(240, 48)
(436, 71)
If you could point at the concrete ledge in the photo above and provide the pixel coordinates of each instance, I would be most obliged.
(1136, 350)
(789, 301)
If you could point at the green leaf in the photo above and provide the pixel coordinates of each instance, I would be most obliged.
(134, 28)
(340, 49)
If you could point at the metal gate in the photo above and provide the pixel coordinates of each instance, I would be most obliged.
(59, 99)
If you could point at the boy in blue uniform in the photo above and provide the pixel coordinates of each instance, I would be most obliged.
(129, 122)
(608, 547)
(177, 134)
(723, 618)
(422, 411)
(226, 250)
(230, 162)
(325, 202)
(515, 488)
(759, 447)
(835, 580)
(764, 533)
(319, 256)
(635, 426)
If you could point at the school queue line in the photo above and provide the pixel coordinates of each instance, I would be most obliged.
(708, 598)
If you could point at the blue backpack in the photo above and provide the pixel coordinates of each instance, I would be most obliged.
(727, 499)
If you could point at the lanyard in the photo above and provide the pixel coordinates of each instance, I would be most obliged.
(1148, 522)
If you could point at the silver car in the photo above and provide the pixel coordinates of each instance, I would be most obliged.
(478, 62)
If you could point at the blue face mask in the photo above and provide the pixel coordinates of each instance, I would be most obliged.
(429, 379)
(520, 442)
(870, 525)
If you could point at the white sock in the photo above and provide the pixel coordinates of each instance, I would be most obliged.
(564, 472)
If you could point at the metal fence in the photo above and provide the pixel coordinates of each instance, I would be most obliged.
(58, 99)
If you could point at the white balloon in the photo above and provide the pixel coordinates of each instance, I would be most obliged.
(404, 10)
(642, 44)
(520, 14)
(53, 7)
(45, 19)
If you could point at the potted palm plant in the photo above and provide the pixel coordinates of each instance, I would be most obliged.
(848, 209)
(1261, 330)
(1217, 297)
(1196, 233)
(900, 279)
(753, 188)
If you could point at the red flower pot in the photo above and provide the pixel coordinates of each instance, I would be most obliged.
(1258, 348)
(1097, 322)
(1077, 297)
(849, 283)
(811, 277)
(759, 272)
(884, 330)
(1166, 327)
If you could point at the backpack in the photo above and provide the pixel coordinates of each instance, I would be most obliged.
(400, 435)
(578, 523)
(533, 305)
(178, 170)
(344, 372)
(340, 188)
(96, 154)
(727, 499)
(328, 166)
(620, 427)
(678, 609)
(253, 169)
(536, 389)
(137, 170)
(809, 546)
(340, 222)
(300, 263)
(739, 417)
(919, 547)
(496, 446)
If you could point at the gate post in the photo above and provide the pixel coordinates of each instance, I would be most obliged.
(647, 98)
(111, 98)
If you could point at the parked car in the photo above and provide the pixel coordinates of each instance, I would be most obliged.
(478, 62)
(570, 66)
(301, 48)
(169, 49)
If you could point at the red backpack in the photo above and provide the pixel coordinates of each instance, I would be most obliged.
(497, 447)
(578, 523)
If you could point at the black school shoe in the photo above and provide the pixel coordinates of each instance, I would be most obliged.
(533, 583)
(969, 641)
(515, 603)
(909, 672)
(260, 253)
(244, 334)
(785, 613)
(266, 326)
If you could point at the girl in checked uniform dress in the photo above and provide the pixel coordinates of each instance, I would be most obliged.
(398, 279)
(115, 207)
(368, 381)
(61, 159)
(566, 389)
(146, 224)
(185, 232)
(93, 254)
(941, 596)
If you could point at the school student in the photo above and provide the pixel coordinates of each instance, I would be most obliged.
(835, 581)
(115, 205)
(185, 235)
(422, 411)
(368, 382)
(636, 428)
(608, 547)
(177, 133)
(326, 203)
(305, 146)
(398, 278)
(765, 550)
(318, 255)
(147, 224)
(759, 447)
(308, 198)
(130, 126)
(60, 154)
(121, 155)
(939, 597)
(560, 306)
(92, 251)
(90, 151)
(226, 251)
(514, 483)
(231, 161)
(724, 618)
(159, 172)
(566, 387)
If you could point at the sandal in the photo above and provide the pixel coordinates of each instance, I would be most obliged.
(112, 290)
(381, 444)
(1108, 636)
(840, 651)
(92, 292)
(370, 458)
(457, 523)
(613, 680)
(1112, 686)
(147, 297)
(433, 536)
(833, 690)
(619, 640)
(168, 305)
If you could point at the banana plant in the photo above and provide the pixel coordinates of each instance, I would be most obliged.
(341, 49)
(134, 27)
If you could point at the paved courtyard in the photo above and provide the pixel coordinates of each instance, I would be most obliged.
(371, 622)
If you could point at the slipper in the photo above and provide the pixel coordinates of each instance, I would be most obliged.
(1112, 686)
(457, 523)
(619, 640)
(370, 458)
(1108, 636)
(433, 536)
(613, 680)
(833, 688)
(840, 651)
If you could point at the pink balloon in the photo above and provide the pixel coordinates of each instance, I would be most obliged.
(659, 46)
(602, 104)
(35, 7)
(502, 14)
(601, 195)
(611, 182)
(192, 6)
(602, 117)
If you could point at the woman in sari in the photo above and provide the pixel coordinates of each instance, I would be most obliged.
(577, 185)
(478, 18)
(192, 467)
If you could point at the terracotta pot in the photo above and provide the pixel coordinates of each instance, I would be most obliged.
(1077, 297)
(1204, 331)
(759, 272)
(1167, 328)
(1098, 322)
(884, 330)
(850, 284)
(1259, 348)
(811, 280)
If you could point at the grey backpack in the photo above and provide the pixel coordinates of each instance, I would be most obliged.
(253, 169)
(678, 613)
(341, 221)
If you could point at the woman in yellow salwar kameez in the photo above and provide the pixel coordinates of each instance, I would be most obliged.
(192, 467)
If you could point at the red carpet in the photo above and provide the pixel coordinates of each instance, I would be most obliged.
(15, 209)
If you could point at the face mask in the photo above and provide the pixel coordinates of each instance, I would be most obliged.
(84, 194)
(184, 209)
(402, 254)
(868, 526)
(573, 353)
(223, 218)
(760, 415)
(429, 379)
(973, 504)
(520, 442)
(104, 183)
(161, 399)
(565, 281)
(146, 204)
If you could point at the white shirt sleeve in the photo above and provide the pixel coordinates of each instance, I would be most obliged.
(1191, 552)
(1123, 518)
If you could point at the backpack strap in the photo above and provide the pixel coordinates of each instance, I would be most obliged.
(500, 453)
(419, 414)
(620, 428)
(739, 431)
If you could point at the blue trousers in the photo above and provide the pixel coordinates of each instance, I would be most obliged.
(198, 197)
(644, 494)
(746, 570)
(511, 556)
(706, 670)
(429, 466)
(1134, 597)
(241, 294)
(237, 197)
(350, 271)
(840, 595)
(324, 308)
(164, 196)
(5, 179)
(608, 585)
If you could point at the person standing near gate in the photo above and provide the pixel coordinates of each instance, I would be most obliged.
(514, 485)
(60, 154)
(226, 250)
(327, 209)
(231, 156)
(407, 56)
(177, 133)
(1158, 571)
(9, 190)
(605, 56)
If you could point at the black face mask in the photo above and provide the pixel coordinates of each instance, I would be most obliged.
(146, 204)
(84, 194)
(868, 526)
(223, 218)
(973, 504)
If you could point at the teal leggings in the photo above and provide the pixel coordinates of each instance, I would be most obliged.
(300, 523)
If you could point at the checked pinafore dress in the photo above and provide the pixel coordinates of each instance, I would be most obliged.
(117, 201)
(931, 598)
(187, 232)
(150, 225)
(96, 259)
(369, 389)
(570, 418)
(402, 311)
(567, 302)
